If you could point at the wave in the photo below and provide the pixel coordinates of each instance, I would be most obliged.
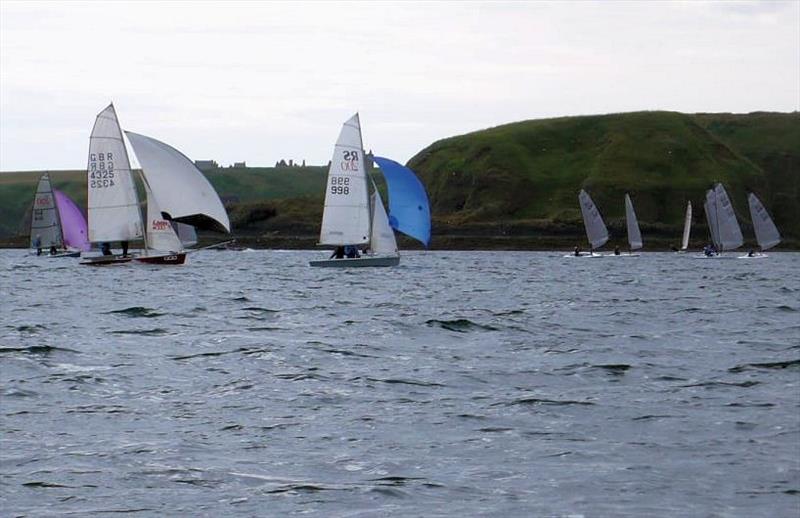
(790, 364)
(211, 354)
(460, 325)
(143, 332)
(136, 312)
(37, 349)
(541, 401)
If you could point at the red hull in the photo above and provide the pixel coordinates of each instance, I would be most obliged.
(163, 259)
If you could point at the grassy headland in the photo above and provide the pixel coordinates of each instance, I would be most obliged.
(515, 186)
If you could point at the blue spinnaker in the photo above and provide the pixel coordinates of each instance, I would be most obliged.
(409, 210)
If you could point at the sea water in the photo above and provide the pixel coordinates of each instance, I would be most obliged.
(457, 384)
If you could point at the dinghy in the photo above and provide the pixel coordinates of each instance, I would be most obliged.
(596, 231)
(57, 224)
(632, 224)
(722, 224)
(767, 234)
(355, 219)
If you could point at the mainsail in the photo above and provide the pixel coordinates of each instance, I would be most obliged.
(710, 208)
(184, 194)
(160, 235)
(73, 224)
(409, 210)
(382, 240)
(767, 233)
(596, 230)
(687, 226)
(730, 235)
(346, 217)
(45, 224)
(113, 205)
(634, 235)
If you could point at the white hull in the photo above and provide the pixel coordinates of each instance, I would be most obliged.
(357, 262)
(755, 256)
(586, 255)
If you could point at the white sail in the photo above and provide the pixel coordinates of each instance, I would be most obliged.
(159, 236)
(710, 207)
(113, 205)
(382, 240)
(730, 235)
(183, 191)
(45, 223)
(596, 230)
(346, 217)
(634, 234)
(687, 226)
(767, 233)
(186, 233)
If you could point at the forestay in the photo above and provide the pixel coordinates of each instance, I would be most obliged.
(730, 235)
(346, 217)
(687, 226)
(596, 230)
(634, 234)
(382, 240)
(767, 233)
(409, 209)
(113, 205)
(160, 235)
(73, 224)
(184, 193)
(45, 226)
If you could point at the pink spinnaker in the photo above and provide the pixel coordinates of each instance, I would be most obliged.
(73, 224)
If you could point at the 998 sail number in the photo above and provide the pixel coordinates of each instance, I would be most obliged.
(340, 185)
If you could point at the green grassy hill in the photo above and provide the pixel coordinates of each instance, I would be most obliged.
(516, 185)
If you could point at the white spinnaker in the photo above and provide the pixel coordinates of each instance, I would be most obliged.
(346, 217)
(186, 233)
(183, 191)
(634, 234)
(596, 230)
(730, 235)
(687, 226)
(113, 206)
(382, 240)
(767, 233)
(710, 207)
(159, 236)
(45, 223)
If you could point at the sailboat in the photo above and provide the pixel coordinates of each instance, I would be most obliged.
(766, 232)
(56, 222)
(596, 231)
(687, 227)
(353, 218)
(176, 192)
(634, 234)
(722, 223)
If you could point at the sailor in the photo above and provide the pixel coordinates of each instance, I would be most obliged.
(105, 248)
(351, 252)
(53, 250)
(124, 248)
(751, 253)
(577, 251)
(616, 250)
(338, 253)
(37, 244)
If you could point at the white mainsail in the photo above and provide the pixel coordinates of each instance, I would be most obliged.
(767, 233)
(687, 226)
(45, 223)
(596, 230)
(634, 234)
(382, 240)
(710, 208)
(346, 217)
(113, 205)
(183, 191)
(730, 235)
(160, 236)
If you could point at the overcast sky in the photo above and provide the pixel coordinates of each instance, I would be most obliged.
(264, 81)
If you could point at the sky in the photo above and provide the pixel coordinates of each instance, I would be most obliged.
(263, 81)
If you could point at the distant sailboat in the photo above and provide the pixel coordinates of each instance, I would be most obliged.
(596, 231)
(634, 234)
(45, 223)
(722, 223)
(687, 227)
(766, 232)
(353, 218)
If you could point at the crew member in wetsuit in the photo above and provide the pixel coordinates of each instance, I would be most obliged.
(577, 252)
(105, 248)
(616, 250)
(124, 248)
(338, 253)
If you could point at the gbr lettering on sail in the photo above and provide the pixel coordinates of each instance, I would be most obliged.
(101, 170)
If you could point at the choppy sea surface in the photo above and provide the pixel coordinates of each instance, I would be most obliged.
(457, 384)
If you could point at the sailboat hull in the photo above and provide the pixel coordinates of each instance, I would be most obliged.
(106, 260)
(163, 259)
(76, 253)
(358, 262)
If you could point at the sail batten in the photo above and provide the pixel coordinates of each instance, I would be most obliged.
(346, 216)
(183, 191)
(767, 234)
(634, 234)
(596, 231)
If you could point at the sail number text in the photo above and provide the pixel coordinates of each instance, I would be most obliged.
(101, 170)
(340, 185)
